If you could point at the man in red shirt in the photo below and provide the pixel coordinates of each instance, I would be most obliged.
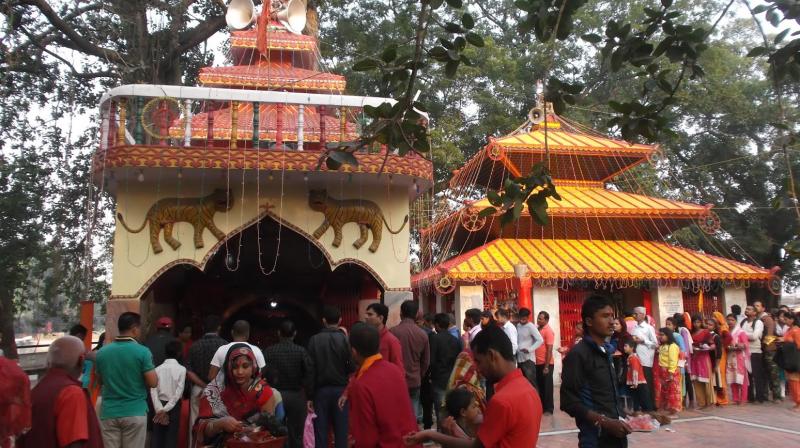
(514, 413)
(380, 412)
(63, 416)
(376, 316)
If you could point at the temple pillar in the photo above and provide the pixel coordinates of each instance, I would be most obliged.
(546, 299)
(525, 299)
(393, 300)
(114, 309)
(466, 297)
(733, 296)
(439, 303)
(665, 302)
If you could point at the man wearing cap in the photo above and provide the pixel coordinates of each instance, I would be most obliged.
(157, 342)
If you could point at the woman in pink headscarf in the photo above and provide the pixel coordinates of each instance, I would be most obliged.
(738, 361)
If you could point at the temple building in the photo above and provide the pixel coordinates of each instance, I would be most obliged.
(599, 238)
(224, 202)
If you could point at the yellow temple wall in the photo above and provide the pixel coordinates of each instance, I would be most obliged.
(136, 266)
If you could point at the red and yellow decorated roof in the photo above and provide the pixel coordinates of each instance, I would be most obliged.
(278, 38)
(590, 260)
(574, 153)
(272, 76)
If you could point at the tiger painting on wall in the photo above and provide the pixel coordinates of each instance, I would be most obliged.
(339, 212)
(199, 212)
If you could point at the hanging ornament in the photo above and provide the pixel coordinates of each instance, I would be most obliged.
(495, 152)
(445, 285)
(775, 285)
(161, 114)
(656, 156)
(140, 176)
(471, 219)
(709, 223)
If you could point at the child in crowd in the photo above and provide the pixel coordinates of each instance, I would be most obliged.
(464, 414)
(635, 376)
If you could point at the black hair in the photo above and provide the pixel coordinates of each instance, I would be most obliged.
(287, 329)
(671, 319)
(669, 334)
(381, 310)
(442, 320)
(492, 337)
(502, 312)
(365, 339)
(127, 321)
(331, 314)
(545, 314)
(241, 328)
(428, 317)
(630, 342)
(736, 310)
(474, 315)
(678, 319)
(524, 312)
(409, 309)
(100, 341)
(211, 323)
(173, 349)
(592, 305)
(457, 400)
(78, 331)
(794, 317)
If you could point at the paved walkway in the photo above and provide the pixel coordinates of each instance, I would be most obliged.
(746, 426)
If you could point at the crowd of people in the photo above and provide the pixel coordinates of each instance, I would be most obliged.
(485, 384)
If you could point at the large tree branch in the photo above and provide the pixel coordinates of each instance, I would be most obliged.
(197, 35)
(81, 43)
(75, 72)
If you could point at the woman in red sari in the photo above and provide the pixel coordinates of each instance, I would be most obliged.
(725, 340)
(666, 374)
(701, 368)
(227, 409)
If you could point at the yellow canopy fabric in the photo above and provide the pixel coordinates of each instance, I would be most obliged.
(590, 260)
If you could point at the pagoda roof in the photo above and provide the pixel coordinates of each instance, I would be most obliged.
(278, 38)
(582, 212)
(268, 123)
(568, 259)
(271, 76)
(575, 153)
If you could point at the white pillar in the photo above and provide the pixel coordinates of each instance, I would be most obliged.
(546, 299)
(467, 296)
(666, 301)
(439, 302)
(733, 296)
(393, 300)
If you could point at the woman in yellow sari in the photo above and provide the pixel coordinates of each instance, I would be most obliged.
(725, 337)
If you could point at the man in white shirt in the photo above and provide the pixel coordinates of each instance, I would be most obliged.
(754, 328)
(508, 328)
(166, 398)
(529, 339)
(645, 337)
(473, 317)
(240, 332)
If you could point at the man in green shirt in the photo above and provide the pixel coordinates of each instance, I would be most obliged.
(126, 372)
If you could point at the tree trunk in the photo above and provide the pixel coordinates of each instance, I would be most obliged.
(7, 343)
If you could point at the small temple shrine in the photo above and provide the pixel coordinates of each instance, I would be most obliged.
(224, 202)
(600, 237)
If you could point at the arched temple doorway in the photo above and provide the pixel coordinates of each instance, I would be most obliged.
(287, 276)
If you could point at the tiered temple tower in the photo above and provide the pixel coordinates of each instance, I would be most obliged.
(599, 239)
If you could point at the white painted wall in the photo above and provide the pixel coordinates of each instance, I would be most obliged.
(666, 302)
(467, 296)
(734, 296)
(546, 299)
